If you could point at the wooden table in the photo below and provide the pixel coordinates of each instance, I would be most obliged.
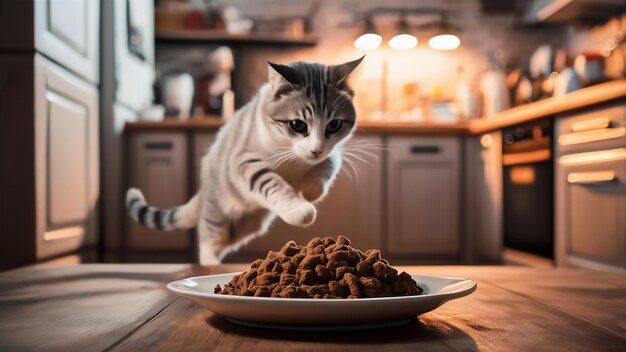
(126, 308)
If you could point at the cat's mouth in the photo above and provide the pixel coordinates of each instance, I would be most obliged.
(313, 159)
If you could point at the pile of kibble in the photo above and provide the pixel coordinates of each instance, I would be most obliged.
(324, 268)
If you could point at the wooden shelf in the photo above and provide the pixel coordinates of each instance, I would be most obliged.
(580, 99)
(214, 36)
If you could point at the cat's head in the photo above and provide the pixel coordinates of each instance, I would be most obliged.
(311, 109)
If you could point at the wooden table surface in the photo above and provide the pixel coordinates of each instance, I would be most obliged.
(125, 307)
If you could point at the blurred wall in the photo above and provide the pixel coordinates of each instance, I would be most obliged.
(593, 38)
(481, 37)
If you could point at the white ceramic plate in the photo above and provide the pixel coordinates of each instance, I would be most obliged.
(322, 314)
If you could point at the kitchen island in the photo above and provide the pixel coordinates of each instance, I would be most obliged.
(121, 307)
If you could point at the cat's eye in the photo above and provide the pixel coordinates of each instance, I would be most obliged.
(298, 126)
(334, 126)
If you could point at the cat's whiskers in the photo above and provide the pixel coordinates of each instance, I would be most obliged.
(276, 163)
(367, 145)
(278, 154)
(358, 158)
(363, 153)
(284, 156)
(287, 160)
(352, 166)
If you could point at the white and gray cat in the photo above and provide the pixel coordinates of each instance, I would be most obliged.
(278, 155)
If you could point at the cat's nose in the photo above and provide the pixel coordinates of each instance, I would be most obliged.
(316, 153)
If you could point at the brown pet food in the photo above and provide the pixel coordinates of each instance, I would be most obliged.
(324, 268)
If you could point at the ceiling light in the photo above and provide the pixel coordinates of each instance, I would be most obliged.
(403, 42)
(444, 42)
(369, 40)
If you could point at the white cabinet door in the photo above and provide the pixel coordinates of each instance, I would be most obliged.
(67, 159)
(68, 32)
(423, 196)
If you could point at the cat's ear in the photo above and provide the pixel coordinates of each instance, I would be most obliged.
(280, 76)
(343, 71)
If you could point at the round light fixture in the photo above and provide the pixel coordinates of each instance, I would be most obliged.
(368, 41)
(403, 42)
(444, 42)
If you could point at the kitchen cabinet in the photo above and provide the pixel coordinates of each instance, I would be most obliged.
(49, 68)
(350, 209)
(158, 166)
(483, 198)
(68, 32)
(590, 187)
(423, 197)
(66, 159)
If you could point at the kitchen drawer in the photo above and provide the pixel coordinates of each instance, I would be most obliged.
(593, 206)
(158, 167)
(598, 130)
(430, 148)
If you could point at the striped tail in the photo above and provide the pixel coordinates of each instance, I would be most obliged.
(177, 218)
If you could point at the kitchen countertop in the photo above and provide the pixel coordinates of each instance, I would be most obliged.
(125, 307)
(580, 99)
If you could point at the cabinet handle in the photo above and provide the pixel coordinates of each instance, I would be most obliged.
(158, 145)
(425, 149)
(591, 177)
(591, 124)
(535, 156)
(592, 136)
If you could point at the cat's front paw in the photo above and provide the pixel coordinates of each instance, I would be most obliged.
(302, 214)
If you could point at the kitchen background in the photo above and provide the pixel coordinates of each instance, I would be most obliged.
(507, 148)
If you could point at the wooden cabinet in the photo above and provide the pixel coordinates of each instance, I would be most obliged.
(158, 166)
(66, 159)
(483, 198)
(17, 29)
(423, 197)
(590, 187)
(17, 150)
(68, 32)
(352, 208)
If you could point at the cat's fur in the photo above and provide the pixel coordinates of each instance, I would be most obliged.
(260, 166)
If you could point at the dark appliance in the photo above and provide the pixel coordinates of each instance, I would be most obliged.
(528, 188)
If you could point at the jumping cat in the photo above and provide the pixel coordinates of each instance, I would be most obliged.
(278, 155)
